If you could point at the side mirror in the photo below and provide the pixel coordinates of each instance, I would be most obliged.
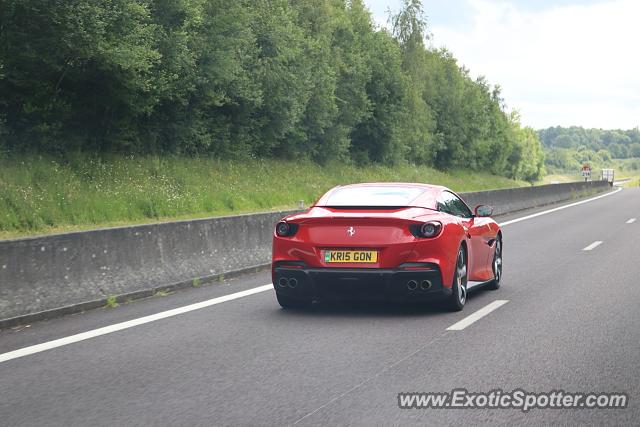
(483, 210)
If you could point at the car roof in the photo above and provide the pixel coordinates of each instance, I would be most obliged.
(435, 188)
(426, 198)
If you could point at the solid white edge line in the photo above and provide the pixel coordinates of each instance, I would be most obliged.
(128, 324)
(180, 310)
(524, 218)
(474, 317)
(593, 246)
(631, 221)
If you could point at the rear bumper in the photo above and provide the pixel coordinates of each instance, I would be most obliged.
(360, 283)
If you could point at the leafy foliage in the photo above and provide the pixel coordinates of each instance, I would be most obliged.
(567, 149)
(305, 79)
(621, 144)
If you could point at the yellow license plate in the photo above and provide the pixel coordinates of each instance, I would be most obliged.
(351, 256)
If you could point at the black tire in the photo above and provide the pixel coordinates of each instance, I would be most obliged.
(289, 302)
(496, 266)
(459, 286)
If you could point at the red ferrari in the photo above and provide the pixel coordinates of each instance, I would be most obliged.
(388, 241)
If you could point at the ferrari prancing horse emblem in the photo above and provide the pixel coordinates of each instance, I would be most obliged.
(351, 231)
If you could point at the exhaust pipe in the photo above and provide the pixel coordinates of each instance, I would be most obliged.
(425, 285)
(412, 285)
(293, 282)
(283, 282)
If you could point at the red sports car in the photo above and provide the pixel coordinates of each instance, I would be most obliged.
(389, 241)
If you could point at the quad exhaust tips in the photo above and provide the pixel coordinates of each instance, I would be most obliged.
(283, 282)
(425, 285)
(412, 285)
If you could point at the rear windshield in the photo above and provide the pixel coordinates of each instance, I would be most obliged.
(386, 196)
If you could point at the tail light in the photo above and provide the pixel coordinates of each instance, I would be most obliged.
(427, 230)
(285, 229)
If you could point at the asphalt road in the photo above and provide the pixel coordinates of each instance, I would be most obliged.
(571, 323)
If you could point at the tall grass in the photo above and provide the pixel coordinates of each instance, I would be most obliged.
(45, 194)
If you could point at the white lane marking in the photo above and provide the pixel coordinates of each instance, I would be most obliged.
(593, 246)
(472, 318)
(180, 310)
(128, 324)
(631, 221)
(524, 218)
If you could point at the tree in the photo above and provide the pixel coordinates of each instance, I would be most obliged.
(69, 64)
(253, 78)
(634, 150)
(418, 133)
(603, 156)
(378, 137)
(618, 151)
(284, 75)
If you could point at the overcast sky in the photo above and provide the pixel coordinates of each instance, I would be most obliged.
(563, 62)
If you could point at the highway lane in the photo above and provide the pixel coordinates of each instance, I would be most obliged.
(573, 326)
(571, 322)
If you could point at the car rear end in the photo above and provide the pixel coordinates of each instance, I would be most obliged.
(360, 252)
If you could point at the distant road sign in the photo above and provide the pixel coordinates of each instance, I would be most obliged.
(608, 175)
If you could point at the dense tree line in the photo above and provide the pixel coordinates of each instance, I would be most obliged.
(569, 148)
(621, 144)
(285, 78)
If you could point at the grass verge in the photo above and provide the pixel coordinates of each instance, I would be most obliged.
(40, 195)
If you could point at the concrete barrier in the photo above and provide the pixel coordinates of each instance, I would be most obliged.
(77, 271)
(42, 277)
(516, 199)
